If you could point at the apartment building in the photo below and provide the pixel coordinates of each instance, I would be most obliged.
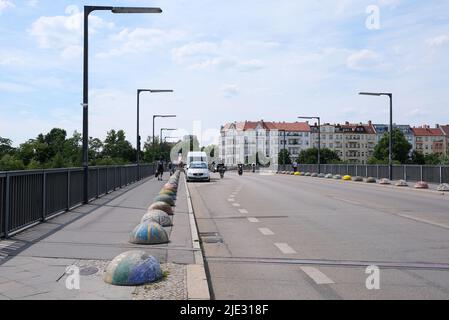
(446, 136)
(430, 140)
(240, 141)
(354, 143)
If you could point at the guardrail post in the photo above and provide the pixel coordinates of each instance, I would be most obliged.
(405, 172)
(377, 168)
(441, 174)
(107, 180)
(421, 171)
(68, 190)
(98, 182)
(44, 194)
(7, 204)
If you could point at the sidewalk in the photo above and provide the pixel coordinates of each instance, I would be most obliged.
(33, 263)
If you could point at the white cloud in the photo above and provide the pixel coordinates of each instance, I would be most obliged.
(32, 3)
(251, 65)
(14, 87)
(60, 32)
(72, 52)
(11, 61)
(185, 53)
(141, 40)
(230, 90)
(5, 4)
(211, 55)
(363, 60)
(438, 41)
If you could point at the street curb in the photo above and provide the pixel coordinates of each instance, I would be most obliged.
(197, 285)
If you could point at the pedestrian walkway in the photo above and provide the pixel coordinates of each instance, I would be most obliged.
(33, 263)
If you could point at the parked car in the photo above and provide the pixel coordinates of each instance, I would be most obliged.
(198, 171)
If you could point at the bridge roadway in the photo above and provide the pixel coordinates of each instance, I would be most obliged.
(289, 237)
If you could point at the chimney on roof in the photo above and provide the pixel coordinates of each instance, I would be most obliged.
(347, 123)
(369, 122)
(437, 126)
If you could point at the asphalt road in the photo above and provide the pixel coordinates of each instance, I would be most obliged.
(289, 237)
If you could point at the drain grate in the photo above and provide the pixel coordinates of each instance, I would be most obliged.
(88, 271)
(213, 240)
(211, 237)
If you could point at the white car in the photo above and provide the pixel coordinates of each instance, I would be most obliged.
(198, 171)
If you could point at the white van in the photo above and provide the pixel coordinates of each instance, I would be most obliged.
(196, 156)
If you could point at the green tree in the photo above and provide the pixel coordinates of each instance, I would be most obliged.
(310, 156)
(72, 151)
(417, 158)
(432, 159)
(401, 147)
(118, 148)
(5, 146)
(444, 159)
(8, 162)
(284, 157)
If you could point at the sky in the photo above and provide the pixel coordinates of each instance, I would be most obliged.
(228, 60)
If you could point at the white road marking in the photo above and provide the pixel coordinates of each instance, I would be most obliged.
(253, 220)
(349, 201)
(266, 231)
(425, 221)
(285, 248)
(236, 205)
(231, 200)
(244, 211)
(316, 275)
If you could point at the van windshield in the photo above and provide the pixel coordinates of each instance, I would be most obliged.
(198, 166)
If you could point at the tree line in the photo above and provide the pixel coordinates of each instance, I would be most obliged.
(56, 149)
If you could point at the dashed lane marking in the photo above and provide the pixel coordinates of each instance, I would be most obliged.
(244, 211)
(236, 205)
(285, 248)
(231, 200)
(316, 275)
(253, 220)
(266, 231)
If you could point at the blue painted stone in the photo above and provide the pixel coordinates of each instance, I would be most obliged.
(158, 216)
(148, 232)
(165, 198)
(133, 268)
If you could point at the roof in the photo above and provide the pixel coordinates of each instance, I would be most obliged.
(431, 132)
(352, 127)
(251, 125)
(445, 129)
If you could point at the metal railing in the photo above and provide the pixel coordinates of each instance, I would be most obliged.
(430, 174)
(28, 197)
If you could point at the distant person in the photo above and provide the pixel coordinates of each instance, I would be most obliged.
(160, 169)
(295, 166)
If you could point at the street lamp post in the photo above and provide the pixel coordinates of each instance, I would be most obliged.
(165, 129)
(390, 143)
(138, 124)
(319, 139)
(161, 115)
(88, 10)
